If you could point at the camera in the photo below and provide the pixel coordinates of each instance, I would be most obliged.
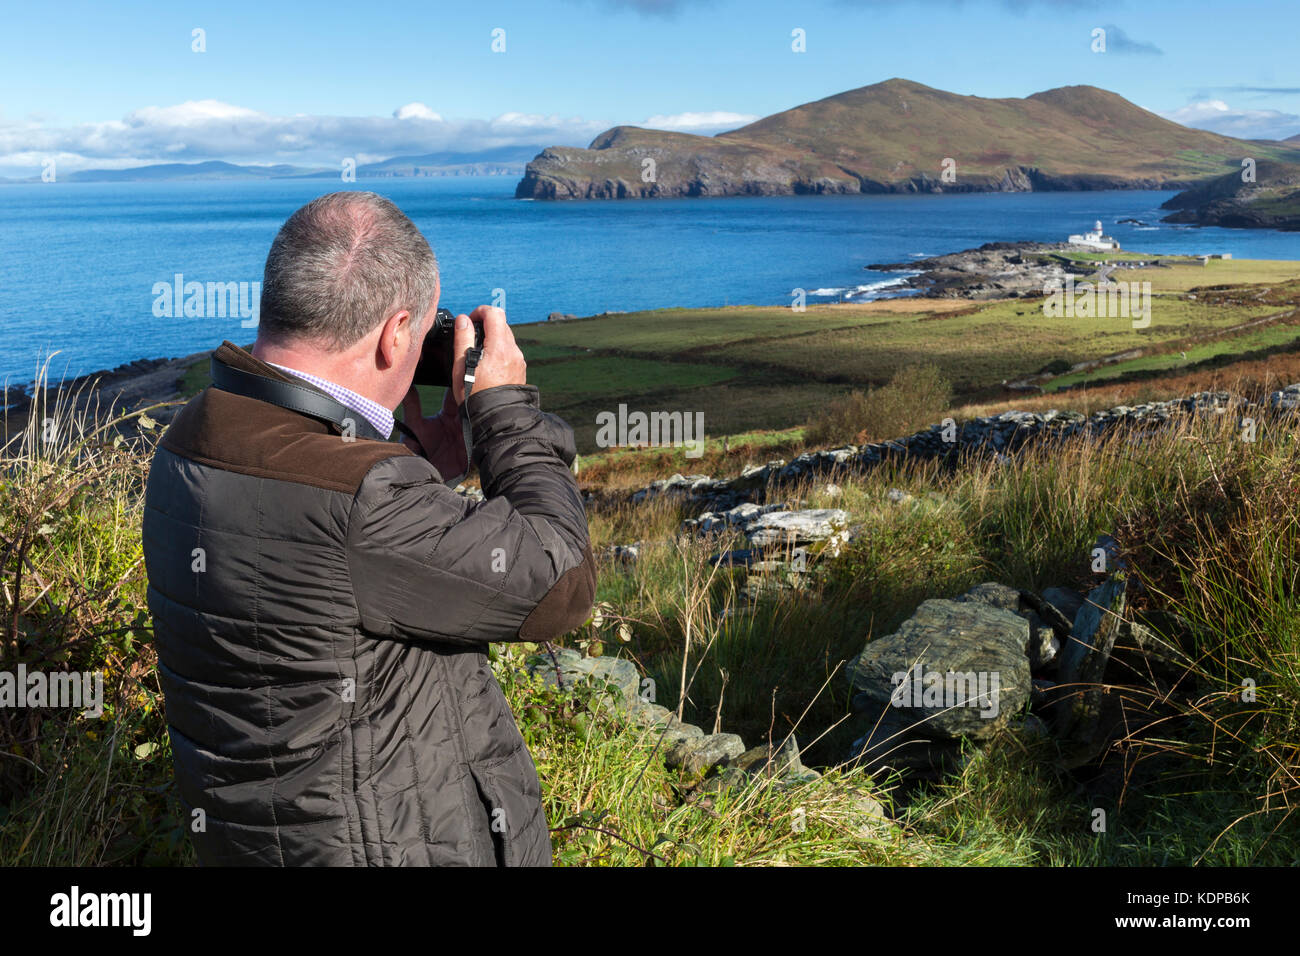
(438, 354)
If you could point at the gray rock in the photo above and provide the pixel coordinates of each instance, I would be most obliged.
(1044, 645)
(1105, 603)
(739, 558)
(954, 669)
(997, 437)
(1056, 608)
(695, 755)
(767, 760)
(1287, 400)
(796, 528)
(676, 733)
(647, 713)
(769, 587)
(728, 778)
(892, 743)
(994, 595)
(1079, 715)
(741, 517)
(625, 555)
(774, 525)
(867, 817)
(1107, 544)
(1035, 726)
(1143, 655)
(574, 669)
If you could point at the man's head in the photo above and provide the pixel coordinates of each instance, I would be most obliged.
(349, 290)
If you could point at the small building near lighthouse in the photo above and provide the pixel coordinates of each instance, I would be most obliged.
(1094, 239)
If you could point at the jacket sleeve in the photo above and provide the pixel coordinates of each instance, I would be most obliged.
(427, 563)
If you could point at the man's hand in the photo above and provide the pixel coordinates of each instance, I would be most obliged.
(440, 435)
(501, 364)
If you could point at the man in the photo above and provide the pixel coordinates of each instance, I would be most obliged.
(323, 602)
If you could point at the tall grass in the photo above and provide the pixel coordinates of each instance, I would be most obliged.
(77, 789)
(914, 397)
(1209, 525)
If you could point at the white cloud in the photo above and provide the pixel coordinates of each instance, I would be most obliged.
(529, 121)
(200, 130)
(189, 113)
(710, 121)
(416, 111)
(1218, 117)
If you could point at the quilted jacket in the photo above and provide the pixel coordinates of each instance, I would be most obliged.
(322, 608)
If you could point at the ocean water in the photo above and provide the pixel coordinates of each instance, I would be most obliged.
(79, 262)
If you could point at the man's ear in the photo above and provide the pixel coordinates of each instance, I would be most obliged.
(394, 339)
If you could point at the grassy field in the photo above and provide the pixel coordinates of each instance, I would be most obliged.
(774, 367)
(750, 368)
(1210, 524)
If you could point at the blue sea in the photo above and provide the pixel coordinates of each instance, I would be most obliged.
(79, 262)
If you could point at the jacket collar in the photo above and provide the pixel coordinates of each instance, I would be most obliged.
(237, 358)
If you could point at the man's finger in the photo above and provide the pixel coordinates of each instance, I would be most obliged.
(496, 332)
(462, 342)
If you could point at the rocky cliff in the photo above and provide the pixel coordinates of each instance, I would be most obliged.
(1268, 200)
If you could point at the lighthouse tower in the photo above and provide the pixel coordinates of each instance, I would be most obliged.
(1094, 239)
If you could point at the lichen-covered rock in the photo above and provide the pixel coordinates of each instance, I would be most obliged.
(1094, 631)
(574, 669)
(624, 555)
(954, 669)
(892, 742)
(994, 595)
(696, 755)
(867, 817)
(1079, 723)
(793, 528)
(1287, 400)
(1047, 626)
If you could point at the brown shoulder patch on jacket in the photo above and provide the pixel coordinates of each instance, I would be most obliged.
(566, 604)
(251, 437)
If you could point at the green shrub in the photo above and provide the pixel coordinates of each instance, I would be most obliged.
(915, 397)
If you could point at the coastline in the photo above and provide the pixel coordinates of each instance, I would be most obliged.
(990, 272)
(128, 387)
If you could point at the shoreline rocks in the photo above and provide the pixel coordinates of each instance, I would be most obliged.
(995, 270)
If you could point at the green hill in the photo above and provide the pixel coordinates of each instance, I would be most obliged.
(896, 136)
(1270, 201)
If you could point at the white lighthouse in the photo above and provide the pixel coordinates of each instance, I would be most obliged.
(1094, 239)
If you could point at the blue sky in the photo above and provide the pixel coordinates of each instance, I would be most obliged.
(98, 85)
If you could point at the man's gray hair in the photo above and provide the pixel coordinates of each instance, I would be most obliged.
(341, 265)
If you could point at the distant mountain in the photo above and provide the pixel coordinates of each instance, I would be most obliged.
(1271, 201)
(900, 136)
(499, 161)
(214, 169)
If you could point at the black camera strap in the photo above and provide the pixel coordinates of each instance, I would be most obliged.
(472, 357)
(301, 398)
